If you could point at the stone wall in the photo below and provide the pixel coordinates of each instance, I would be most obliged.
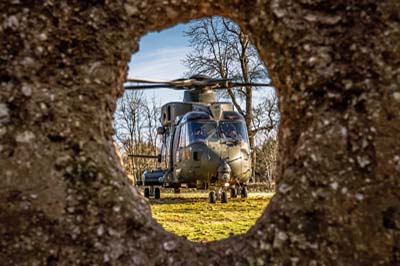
(65, 201)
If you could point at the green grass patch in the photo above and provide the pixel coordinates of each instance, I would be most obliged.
(191, 216)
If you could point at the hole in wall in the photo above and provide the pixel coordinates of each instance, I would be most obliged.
(157, 137)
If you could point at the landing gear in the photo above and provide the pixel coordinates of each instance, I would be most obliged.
(147, 192)
(220, 194)
(157, 193)
(212, 197)
(224, 197)
(244, 192)
(152, 191)
(233, 193)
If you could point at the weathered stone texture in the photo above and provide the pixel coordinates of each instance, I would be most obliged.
(64, 201)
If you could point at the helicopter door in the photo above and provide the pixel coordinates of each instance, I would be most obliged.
(175, 151)
(181, 150)
(182, 144)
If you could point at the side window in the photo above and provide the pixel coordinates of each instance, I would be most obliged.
(167, 150)
(188, 134)
(182, 137)
(169, 113)
(175, 143)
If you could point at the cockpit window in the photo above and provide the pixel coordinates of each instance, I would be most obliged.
(235, 130)
(202, 131)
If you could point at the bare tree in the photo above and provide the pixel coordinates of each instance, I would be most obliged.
(152, 113)
(135, 123)
(223, 50)
(266, 118)
(267, 161)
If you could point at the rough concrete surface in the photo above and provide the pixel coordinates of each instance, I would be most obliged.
(64, 200)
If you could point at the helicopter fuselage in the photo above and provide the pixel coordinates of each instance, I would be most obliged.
(205, 143)
(203, 151)
(200, 163)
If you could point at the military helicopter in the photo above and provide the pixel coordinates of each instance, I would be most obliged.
(205, 144)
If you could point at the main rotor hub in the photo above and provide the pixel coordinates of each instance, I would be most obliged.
(199, 95)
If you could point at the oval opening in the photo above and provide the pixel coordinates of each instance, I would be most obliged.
(155, 135)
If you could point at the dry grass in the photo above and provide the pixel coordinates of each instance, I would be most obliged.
(190, 215)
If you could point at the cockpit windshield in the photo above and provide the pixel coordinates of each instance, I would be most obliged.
(235, 130)
(202, 131)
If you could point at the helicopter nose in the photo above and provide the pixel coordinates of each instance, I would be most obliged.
(224, 172)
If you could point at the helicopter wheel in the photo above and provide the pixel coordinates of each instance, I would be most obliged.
(218, 195)
(157, 193)
(177, 190)
(233, 193)
(212, 197)
(147, 192)
(224, 197)
(244, 193)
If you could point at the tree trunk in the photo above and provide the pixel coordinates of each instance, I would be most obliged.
(253, 159)
(64, 201)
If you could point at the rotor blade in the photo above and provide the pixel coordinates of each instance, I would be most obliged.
(177, 83)
(205, 82)
(138, 80)
(182, 82)
(197, 82)
(237, 84)
(142, 87)
(228, 84)
(189, 84)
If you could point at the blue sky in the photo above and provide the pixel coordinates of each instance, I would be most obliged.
(160, 57)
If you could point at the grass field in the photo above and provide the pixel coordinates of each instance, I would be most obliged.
(190, 215)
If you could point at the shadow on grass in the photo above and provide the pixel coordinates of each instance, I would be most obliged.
(175, 201)
(196, 197)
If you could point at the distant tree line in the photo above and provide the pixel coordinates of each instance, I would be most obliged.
(135, 124)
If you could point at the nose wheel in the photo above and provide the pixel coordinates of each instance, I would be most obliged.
(156, 192)
(234, 192)
(244, 193)
(212, 198)
(220, 195)
(224, 197)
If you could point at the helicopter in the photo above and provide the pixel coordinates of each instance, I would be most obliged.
(205, 143)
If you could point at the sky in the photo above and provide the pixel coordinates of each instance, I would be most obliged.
(160, 57)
